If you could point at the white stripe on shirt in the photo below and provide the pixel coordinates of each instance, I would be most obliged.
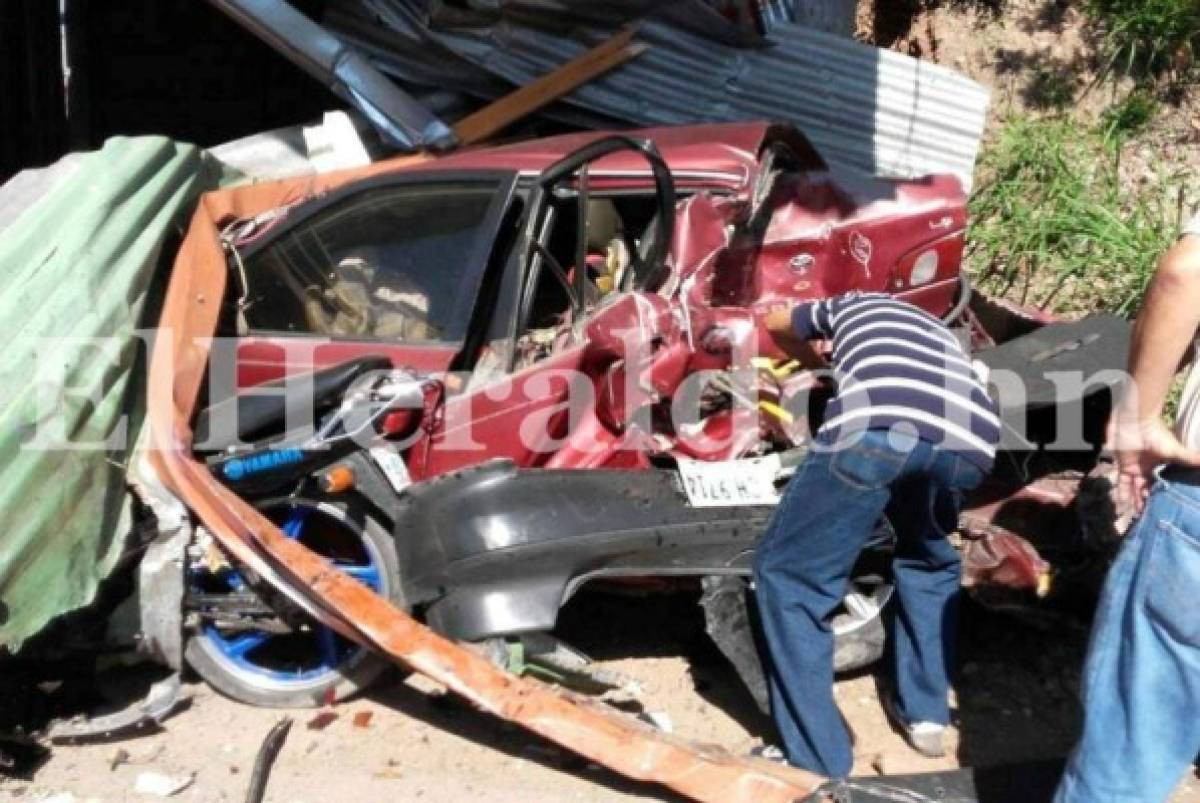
(923, 387)
(906, 344)
(951, 347)
(969, 377)
(857, 301)
(948, 427)
(942, 334)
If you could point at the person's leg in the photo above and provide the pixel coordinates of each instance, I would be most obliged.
(801, 570)
(1141, 684)
(928, 574)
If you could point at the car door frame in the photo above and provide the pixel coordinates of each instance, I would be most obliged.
(258, 350)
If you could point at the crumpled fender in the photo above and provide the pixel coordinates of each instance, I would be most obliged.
(602, 735)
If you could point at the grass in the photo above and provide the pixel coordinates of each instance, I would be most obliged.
(1053, 225)
(1148, 37)
(1130, 116)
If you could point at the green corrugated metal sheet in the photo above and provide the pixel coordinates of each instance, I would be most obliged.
(79, 263)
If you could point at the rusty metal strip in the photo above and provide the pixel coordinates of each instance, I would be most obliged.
(605, 736)
(497, 116)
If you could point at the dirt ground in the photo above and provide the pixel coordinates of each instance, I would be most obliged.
(1015, 702)
(1041, 57)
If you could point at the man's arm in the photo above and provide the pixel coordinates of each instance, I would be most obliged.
(779, 322)
(1162, 336)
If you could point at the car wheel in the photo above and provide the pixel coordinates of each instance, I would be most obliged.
(310, 665)
(858, 628)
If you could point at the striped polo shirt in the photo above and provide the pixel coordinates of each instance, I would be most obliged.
(896, 366)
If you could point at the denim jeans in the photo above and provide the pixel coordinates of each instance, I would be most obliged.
(802, 569)
(1141, 684)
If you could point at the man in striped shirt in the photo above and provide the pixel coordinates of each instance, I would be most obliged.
(910, 429)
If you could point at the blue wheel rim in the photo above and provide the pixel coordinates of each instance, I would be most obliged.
(251, 651)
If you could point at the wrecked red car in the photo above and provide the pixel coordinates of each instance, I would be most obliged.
(539, 367)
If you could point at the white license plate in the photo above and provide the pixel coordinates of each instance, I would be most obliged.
(393, 467)
(730, 483)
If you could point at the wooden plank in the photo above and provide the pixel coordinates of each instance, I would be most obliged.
(585, 67)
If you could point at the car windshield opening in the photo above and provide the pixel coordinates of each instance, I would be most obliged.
(399, 262)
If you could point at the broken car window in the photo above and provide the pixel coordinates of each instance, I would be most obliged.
(392, 263)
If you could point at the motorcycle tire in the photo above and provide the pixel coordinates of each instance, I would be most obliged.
(346, 668)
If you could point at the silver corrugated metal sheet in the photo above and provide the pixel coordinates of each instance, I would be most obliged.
(287, 152)
(401, 119)
(831, 16)
(865, 108)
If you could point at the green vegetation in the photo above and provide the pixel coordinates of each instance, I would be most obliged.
(1129, 117)
(1056, 222)
(1149, 37)
(1053, 225)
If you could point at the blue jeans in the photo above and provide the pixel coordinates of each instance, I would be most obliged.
(1141, 684)
(802, 568)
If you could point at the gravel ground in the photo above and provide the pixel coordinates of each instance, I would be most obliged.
(1015, 701)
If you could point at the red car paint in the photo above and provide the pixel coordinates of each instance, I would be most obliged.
(823, 234)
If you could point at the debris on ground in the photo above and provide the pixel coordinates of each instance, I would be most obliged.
(322, 720)
(165, 698)
(265, 760)
(446, 754)
(20, 755)
(60, 797)
(661, 720)
(158, 784)
(119, 756)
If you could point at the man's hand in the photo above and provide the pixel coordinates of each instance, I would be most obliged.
(778, 320)
(778, 323)
(1163, 334)
(1140, 447)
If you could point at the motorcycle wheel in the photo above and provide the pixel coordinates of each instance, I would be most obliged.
(311, 665)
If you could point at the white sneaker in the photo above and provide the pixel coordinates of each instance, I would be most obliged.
(769, 752)
(927, 738)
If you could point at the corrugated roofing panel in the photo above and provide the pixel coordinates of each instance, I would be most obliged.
(863, 107)
(78, 265)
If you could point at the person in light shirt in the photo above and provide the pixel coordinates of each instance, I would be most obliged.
(1141, 685)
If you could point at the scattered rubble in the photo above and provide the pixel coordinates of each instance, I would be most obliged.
(164, 699)
(322, 720)
(157, 784)
(265, 760)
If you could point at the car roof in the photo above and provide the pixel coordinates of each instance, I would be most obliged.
(720, 153)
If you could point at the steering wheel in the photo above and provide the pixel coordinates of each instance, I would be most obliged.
(649, 260)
